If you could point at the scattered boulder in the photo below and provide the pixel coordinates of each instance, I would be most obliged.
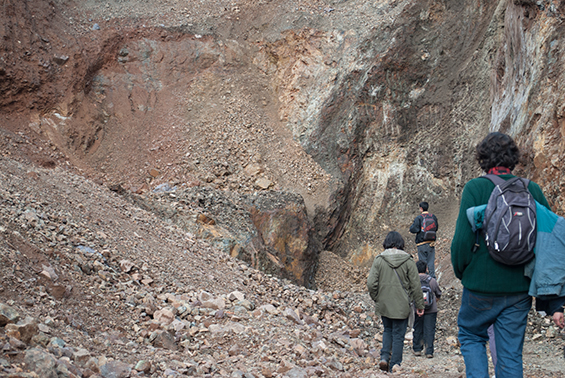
(24, 330)
(81, 356)
(115, 369)
(292, 315)
(8, 315)
(144, 366)
(164, 316)
(164, 339)
(41, 363)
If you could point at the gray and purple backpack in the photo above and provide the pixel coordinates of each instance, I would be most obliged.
(510, 224)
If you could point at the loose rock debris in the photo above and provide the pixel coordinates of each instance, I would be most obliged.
(94, 286)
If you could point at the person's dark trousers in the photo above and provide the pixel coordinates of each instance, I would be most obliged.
(424, 333)
(393, 340)
(427, 254)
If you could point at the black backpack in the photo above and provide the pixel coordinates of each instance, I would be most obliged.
(429, 227)
(510, 226)
(429, 296)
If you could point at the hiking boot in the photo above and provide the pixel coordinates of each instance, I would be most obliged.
(429, 356)
(396, 369)
(383, 365)
(418, 353)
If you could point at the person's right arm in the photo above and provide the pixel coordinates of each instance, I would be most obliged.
(416, 226)
(558, 319)
(373, 280)
(555, 307)
(538, 195)
(464, 237)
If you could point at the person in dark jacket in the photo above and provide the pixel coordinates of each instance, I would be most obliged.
(493, 293)
(425, 326)
(393, 283)
(426, 248)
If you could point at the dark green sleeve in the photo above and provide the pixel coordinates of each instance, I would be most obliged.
(464, 237)
(538, 194)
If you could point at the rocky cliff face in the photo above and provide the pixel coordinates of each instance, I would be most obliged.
(526, 90)
(363, 108)
(408, 100)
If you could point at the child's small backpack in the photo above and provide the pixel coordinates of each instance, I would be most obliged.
(429, 227)
(429, 297)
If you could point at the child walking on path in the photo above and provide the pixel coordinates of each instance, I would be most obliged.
(425, 326)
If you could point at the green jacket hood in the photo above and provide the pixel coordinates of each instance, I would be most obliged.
(395, 257)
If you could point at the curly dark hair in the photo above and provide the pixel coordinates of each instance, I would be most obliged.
(394, 240)
(497, 150)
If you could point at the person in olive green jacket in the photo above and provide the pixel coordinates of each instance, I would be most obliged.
(393, 283)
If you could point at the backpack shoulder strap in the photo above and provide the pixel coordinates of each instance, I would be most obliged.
(497, 180)
(526, 182)
(426, 279)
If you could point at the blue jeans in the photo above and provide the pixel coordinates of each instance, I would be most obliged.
(393, 340)
(509, 314)
(424, 333)
(427, 254)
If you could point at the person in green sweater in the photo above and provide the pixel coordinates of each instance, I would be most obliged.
(393, 282)
(493, 293)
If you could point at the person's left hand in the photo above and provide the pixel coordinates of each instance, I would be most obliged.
(558, 319)
(420, 312)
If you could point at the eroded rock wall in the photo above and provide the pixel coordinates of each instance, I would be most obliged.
(398, 122)
(527, 90)
(363, 108)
